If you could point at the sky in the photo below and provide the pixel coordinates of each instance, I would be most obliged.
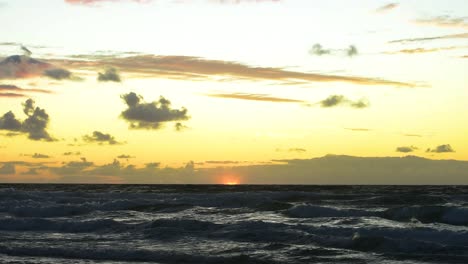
(234, 91)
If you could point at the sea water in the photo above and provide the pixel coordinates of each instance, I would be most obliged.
(233, 224)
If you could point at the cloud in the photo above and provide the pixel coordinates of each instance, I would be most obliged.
(464, 57)
(58, 74)
(101, 138)
(337, 100)
(444, 21)
(179, 126)
(412, 135)
(441, 149)
(256, 97)
(301, 150)
(110, 75)
(318, 50)
(19, 91)
(152, 115)
(224, 162)
(406, 149)
(40, 156)
(123, 156)
(424, 50)
(386, 8)
(330, 169)
(11, 95)
(352, 51)
(358, 129)
(199, 69)
(451, 36)
(34, 125)
(77, 153)
(96, 2)
(26, 51)
(18, 67)
(7, 168)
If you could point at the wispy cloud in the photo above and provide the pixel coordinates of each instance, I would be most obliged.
(196, 68)
(318, 50)
(424, 50)
(11, 95)
(96, 2)
(451, 36)
(444, 21)
(386, 8)
(412, 135)
(20, 92)
(255, 97)
(358, 129)
(340, 100)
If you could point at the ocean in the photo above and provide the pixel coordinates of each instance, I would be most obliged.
(45, 223)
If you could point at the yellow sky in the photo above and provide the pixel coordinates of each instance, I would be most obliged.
(260, 82)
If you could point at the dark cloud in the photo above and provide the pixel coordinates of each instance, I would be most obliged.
(199, 69)
(110, 75)
(17, 66)
(444, 21)
(40, 156)
(318, 50)
(441, 149)
(352, 51)
(179, 126)
(330, 169)
(256, 97)
(77, 153)
(58, 74)
(406, 149)
(35, 125)
(26, 51)
(387, 8)
(451, 36)
(338, 100)
(72, 168)
(152, 115)
(338, 169)
(7, 168)
(101, 138)
(123, 156)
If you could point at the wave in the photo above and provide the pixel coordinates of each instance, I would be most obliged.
(41, 224)
(429, 214)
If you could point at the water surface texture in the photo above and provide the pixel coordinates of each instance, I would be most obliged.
(233, 224)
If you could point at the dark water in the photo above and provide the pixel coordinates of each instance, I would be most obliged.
(233, 224)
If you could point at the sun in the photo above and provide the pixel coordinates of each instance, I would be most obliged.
(230, 179)
(233, 182)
